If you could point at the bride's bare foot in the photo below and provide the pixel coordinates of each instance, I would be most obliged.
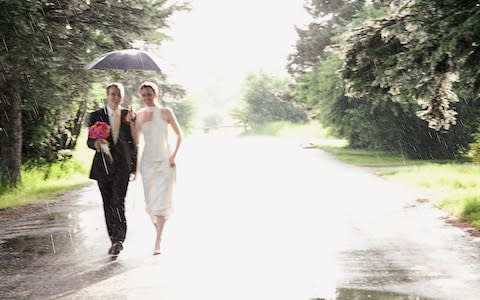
(159, 222)
(156, 249)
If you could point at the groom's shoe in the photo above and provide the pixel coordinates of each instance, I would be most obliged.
(116, 248)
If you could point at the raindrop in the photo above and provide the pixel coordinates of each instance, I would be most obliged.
(50, 43)
(6, 116)
(6, 136)
(5, 43)
(70, 235)
(118, 214)
(32, 23)
(36, 115)
(48, 208)
(5, 98)
(53, 244)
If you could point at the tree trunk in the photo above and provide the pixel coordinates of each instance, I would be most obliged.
(77, 124)
(11, 135)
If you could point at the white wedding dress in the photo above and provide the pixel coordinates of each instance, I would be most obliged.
(157, 176)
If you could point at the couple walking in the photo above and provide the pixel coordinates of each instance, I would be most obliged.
(157, 164)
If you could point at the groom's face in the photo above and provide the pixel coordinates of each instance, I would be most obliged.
(114, 97)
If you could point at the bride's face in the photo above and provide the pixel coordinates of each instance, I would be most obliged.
(148, 96)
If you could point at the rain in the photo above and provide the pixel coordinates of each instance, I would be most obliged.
(326, 150)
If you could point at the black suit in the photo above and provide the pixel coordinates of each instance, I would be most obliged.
(113, 176)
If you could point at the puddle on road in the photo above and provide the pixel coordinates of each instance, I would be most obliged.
(39, 244)
(27, 240)
(359, 294)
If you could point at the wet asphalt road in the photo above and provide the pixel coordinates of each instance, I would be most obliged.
(255, 218)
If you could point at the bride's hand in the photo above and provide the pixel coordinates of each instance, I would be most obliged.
(133, 176)
(131, 116)
(172, 161)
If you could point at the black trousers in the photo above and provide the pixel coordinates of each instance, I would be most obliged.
(113, 195)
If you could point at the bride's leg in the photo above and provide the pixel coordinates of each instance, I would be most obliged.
(159, 222)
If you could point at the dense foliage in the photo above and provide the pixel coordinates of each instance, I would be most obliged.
(417, 54)
(393, 75)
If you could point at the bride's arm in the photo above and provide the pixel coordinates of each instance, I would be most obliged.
(172, 120)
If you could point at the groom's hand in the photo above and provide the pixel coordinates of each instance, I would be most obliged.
(98, 142)
(133, 176)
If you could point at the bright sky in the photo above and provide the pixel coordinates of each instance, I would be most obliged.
(219, 41)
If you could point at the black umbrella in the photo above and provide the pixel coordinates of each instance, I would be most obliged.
(128, 59)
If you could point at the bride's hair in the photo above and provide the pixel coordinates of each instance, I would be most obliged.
(151, 85)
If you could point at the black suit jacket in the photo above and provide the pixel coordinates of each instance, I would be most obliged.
(124, 152)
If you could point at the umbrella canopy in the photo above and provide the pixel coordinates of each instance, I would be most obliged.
(128, 59)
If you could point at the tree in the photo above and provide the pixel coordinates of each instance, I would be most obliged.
(331, 19)
(43, 89)
(375, 119)
(262, 96)
(417, 55)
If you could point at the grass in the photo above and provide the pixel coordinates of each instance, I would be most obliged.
(454, 185)
(312, 132)
(45, 181)
(367, 158)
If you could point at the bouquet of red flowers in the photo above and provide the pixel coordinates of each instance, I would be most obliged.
(101, 131)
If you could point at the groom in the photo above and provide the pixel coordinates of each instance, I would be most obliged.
(112, 175)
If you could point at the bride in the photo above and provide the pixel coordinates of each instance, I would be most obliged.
(157, 164)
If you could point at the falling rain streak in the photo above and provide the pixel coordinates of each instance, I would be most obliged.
(53, 244)
(4, 100)
(32, 23)
(6, 116)
(50, 43)
(5, 44)
(70, 236)
(48, 208)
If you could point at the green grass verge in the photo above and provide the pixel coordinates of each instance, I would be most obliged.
(289, 129)
(312, 132)
(366, 158)
(454, 185)
(42, 182)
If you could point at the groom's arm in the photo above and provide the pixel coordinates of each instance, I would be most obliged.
(133, 151)
(91, 120)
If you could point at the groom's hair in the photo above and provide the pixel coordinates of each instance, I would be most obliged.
(119, 86)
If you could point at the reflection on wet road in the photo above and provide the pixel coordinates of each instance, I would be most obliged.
(256, 218)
